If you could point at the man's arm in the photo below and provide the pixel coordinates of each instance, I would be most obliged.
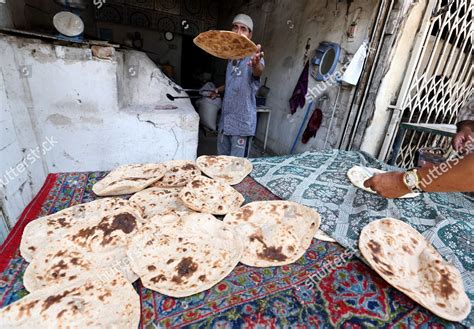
(452, 176)
(219, 90)
(255, 62)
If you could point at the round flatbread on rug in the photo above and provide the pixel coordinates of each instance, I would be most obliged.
(129, 179)
(276, 232)
(102, 242)
(42, 231)
(358, 175)
(225, 44)
(90, 303)
(209, 196)
(62, 262)
(178, 173)
(159, 201)
(180, 256)
(223, 168)
(408, 262)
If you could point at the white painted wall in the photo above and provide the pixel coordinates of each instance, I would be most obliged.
(97, 113)
(391, 83)
(283, 30)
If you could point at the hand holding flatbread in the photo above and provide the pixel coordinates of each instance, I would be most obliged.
(359, 174)
(225, 44)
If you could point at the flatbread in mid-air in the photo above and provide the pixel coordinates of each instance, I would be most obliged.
(276, 232)
(182, 255)
(209, 196)
(90, 303)
(358, 175)
(225, 44)
(408, 262)
(223, 168)
(129, 179)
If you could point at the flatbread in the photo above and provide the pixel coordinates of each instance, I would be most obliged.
(403, 257)
(207, 195)
(101, 243)
(63, 262)
(276, 232)
(227, 169)
(129, 179)
(358, 175)
(159, 201)
(44, 230)
(320, 235)
(178, 173)
(225, 44)
(91, 303)
(183, 255)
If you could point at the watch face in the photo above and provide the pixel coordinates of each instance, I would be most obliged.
(411, 179)
(169, 36)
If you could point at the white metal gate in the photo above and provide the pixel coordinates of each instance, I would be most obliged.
(438, 79)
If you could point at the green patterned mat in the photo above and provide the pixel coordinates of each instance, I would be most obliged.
(319, 180)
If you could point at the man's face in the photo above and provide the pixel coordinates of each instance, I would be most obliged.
(242, 30)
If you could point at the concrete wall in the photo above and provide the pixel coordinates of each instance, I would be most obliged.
(283, 27)
(392, 80)
(65, 110)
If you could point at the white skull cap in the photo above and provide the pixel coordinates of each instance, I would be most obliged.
(244, 19)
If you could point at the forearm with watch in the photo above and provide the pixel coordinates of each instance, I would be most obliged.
(456, 175)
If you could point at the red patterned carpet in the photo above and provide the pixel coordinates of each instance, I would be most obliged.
(327, 287)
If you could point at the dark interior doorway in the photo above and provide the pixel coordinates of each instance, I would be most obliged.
(194, 63)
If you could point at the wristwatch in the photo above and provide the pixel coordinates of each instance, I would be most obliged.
(412, 181)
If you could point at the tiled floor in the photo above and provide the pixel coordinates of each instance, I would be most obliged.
(208, 145)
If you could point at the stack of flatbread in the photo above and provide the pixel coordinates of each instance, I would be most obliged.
(403, 257)
(226, 169)
(129, 179)
(209, 196)
(183, 255)
(225, 44)
(89, 303)
(165, 234)
(276, 232)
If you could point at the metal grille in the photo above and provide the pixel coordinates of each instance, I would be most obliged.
(440, 76)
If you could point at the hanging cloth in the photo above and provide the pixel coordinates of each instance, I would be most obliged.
(298, 97)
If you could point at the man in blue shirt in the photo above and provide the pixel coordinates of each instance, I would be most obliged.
(239, 110)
